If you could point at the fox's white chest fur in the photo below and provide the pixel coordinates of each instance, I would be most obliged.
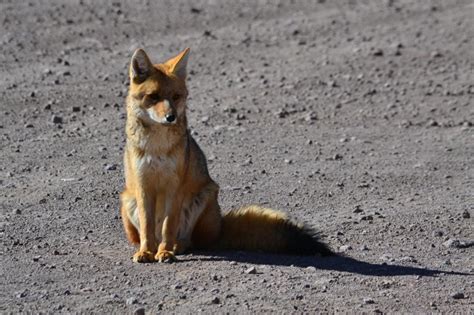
(162, 164)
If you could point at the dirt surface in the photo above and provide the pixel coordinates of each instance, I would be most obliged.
(354, 117)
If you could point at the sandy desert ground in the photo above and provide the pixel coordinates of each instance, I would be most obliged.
(355, 117)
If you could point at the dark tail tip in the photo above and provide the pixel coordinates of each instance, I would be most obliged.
(305, 241)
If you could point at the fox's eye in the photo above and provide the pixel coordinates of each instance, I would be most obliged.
(154, 96)
(176, 97)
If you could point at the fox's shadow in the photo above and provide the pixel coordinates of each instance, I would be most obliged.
(333, 263)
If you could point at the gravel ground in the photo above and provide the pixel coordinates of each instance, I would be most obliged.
(354, 117)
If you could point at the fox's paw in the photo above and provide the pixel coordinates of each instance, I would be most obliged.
(143, 257)
(166, 256)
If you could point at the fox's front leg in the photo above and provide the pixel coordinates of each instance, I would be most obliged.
(146, 219)
(170, 230)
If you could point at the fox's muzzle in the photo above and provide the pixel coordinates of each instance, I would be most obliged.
(163, 112)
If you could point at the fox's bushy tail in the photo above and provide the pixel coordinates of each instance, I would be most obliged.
(255, 228)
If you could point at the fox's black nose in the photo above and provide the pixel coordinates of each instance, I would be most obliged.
(170, 118)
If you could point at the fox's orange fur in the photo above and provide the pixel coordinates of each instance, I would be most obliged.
(169, 203)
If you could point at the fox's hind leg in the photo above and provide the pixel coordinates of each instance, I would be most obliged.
(208, 227)
(128, 207)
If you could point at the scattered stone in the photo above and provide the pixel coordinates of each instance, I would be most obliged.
(57, 119)
(378, 52)
(131, 301)
(367, 218)
(410, 259)
(432, 123)
(358, 209)
(337, 157)
(282, 113)
(241, 117)
(311, 116)
(251, 271)
(458, 296)
(369, 301)
(110, 167)
(345, 248)
(139, 311)
(452, 243)
(466, 214)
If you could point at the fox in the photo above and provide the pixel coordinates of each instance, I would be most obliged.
(169, 204)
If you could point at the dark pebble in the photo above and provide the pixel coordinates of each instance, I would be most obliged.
(110, 167)
(458, 296)
(139, 311)
(57, 119)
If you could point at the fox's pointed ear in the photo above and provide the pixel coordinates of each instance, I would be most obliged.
(140, 66)
(177, 65)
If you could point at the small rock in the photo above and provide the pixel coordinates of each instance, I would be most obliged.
(110, 167)
(452, 243)
(241, 117)
(458, 295)
(432, 123)
(57, 119)
(438, 233)
(407, 259)
(345, 248)
(367, 218)
(466, 214)
(436, 54)
(378, 52)
(131, 301)
(311, 116)
(29, 126)
(76, 109)
(369, 301)
(251, 271)
(17, 211)
(139, 311)
(358, 209)
(282, 113)
(215, 300)
(337, 157)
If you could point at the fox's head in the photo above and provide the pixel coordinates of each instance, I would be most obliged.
(158, 91)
